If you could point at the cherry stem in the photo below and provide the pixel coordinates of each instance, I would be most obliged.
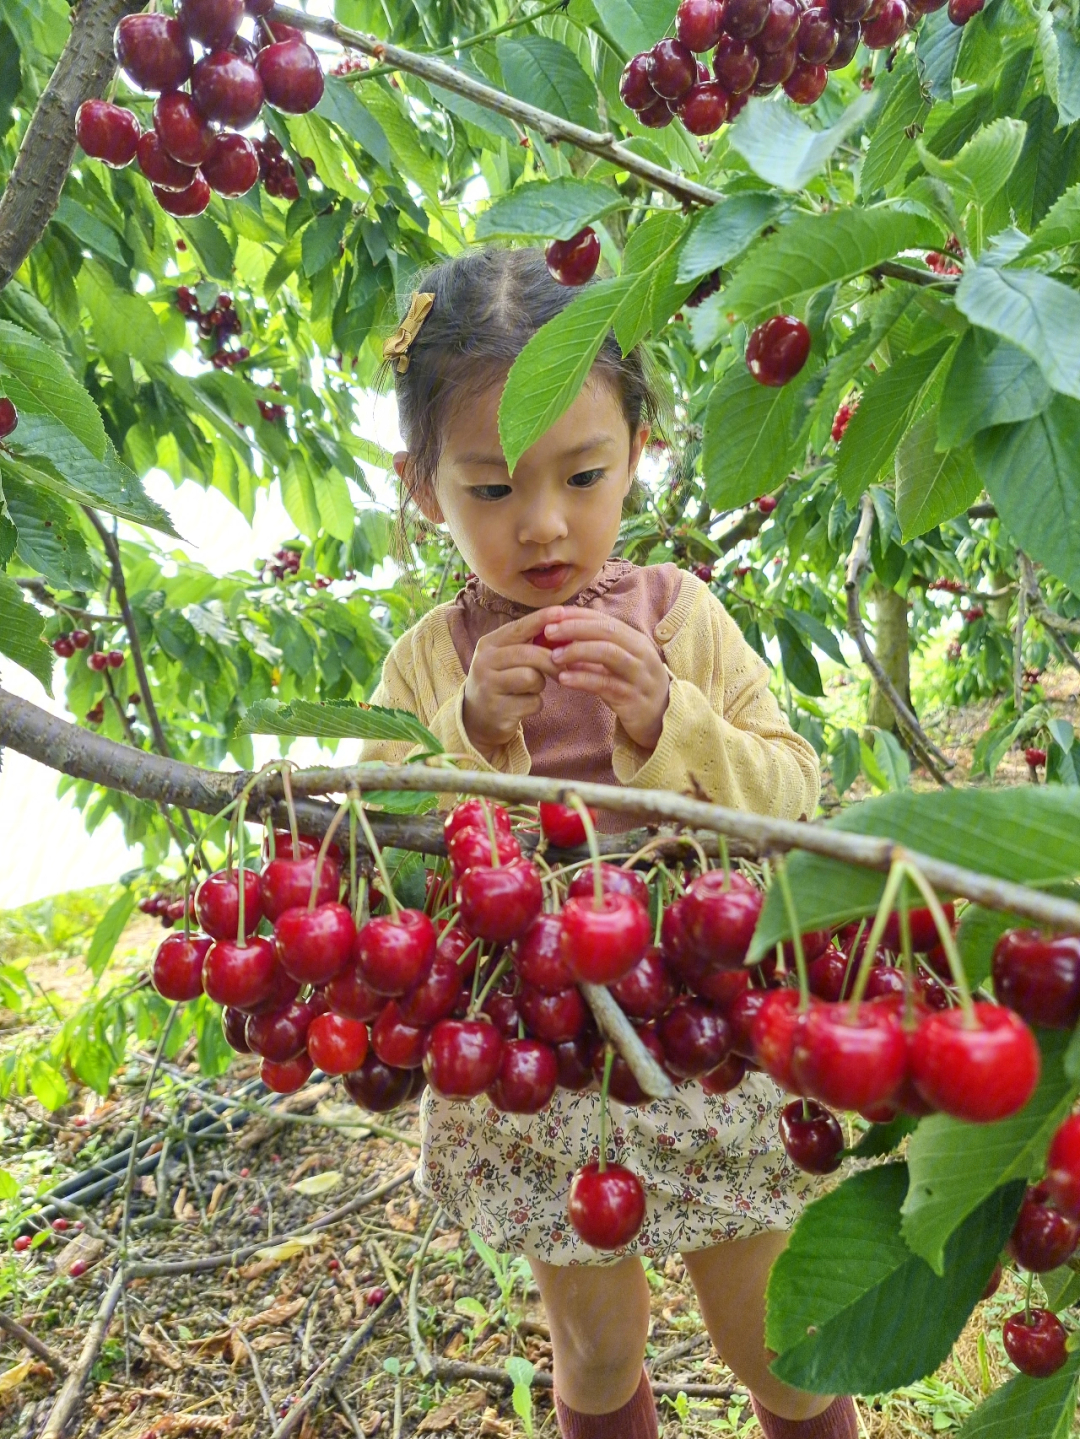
(1027, 1296)
(605, 1085)
(241, 834)
(377, 855)
(189, 869)
(907, 957)
(877, 929)
(796, 933)
(725, 861)
(290, 809)
(343, 809)
(594, 849)
(948, 942)
(354, 892)
(493, 979)
(489, 820)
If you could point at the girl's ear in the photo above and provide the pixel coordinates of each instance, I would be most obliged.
(638, 442)
(422, 493)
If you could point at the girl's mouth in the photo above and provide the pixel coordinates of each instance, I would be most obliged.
(548, 577)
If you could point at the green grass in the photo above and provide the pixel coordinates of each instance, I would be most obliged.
(60, 925)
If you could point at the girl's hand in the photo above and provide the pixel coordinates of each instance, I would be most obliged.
(506, 681)
(605, 657)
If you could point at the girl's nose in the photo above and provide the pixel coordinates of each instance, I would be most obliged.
(542, 524)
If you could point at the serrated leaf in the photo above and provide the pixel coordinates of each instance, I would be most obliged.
(886, 409)
(890, 144)
(723, 232)
(109, 929)
(21, 627)
(215, 248)
(956, 1166)
(650, 263)
(931, 487)
(817, 250)
(753, 437)
(981, 167)
(633, 25)
(990, 382)
(1061, 64)
(1061, 1287)
(1038, 314)
(1059, 227)
(937, 46)
(882, 1139)
(1032, 1408)
(50, 540)
(783, 150)
(38, 382)
(335, 719)
(550, 75)
(340, 106)
(319, 1183)
(124, 324)
(554, 209)
(851, 1310)
(321, 243)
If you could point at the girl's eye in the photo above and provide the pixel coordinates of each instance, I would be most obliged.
(585, 479)
(490, 492)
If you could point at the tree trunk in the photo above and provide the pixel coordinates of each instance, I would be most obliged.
(891, 648)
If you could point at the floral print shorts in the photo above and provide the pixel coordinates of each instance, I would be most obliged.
(713, 1169)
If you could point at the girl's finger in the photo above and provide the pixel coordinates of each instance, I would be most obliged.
(602, 652)
(520, 656)
(589, 626)
(520, 681)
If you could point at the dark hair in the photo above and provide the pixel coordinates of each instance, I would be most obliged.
(488, 304)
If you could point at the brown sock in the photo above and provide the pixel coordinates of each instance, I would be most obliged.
(635, 1420)
(836, 1422)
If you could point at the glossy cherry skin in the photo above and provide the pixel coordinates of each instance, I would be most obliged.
(846, 45)
(233, 166)
(288, 1077)
(704, 107)
(606, 1208)
(847, 11)
(1062, 1180)
(286, 884)
(603, 944)
(178, 965)
(806, 83)
(435, 997)
(1038, 976)
(699, 24)
(742, 1015)
(394, 953)
(882, 980)
(622, 1085)
(726, 1076)
(234, 1027)
(719, 922)
(777, 350)
(283, 847)
(154, 51)
(397, 1044)
(775, 1029)
(337, 1045)
(282, 1034)
(574, 261)
(348, 993)
(780, 28)
(182, 130)
(672, 69)
(292, 76)
(961, 11)
(572, 1059)
(239, 975)
(500, 904)
(313, 945)
(812, 1136)
(454, 944)
(470, 814)
(63, 647)
(462, 1057)
(538, 956)
(1042, 1238)
(227, 89)
(528, 1074)
(213, 23)
(649, 989)
(993, 1284)
(378, 1087)
(831, 975)
(185, 203)
(613, 880)
(160, 168)
(695, 1038)
(217, 903)
(634, 86)
(924, 934)
(886, 27)
(979, 1074)
(721, 987)
(553, 1017)
(818, 35)
(656, 115)
(849, 1065)
(1035, 1343)
(107, 132)
(562, 826)
(745, 18)
(735, 64)
(501, 1008)
(470, 848)
(674, 945)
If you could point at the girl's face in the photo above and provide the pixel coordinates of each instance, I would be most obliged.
(542, 534)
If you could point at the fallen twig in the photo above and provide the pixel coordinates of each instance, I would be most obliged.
(257, 1374)
(454, 1370)
(33, 1343)
(424, 1362)
(67, 1401)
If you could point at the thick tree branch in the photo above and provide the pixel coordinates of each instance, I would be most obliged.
(83, 72)
(33, 1343)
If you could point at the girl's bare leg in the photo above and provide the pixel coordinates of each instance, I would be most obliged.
(599, 1319)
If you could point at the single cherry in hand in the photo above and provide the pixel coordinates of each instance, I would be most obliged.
(606, 1206)
(1035, 1342)
(812, 1136)
(777, 350)
(107, 132)
(572, 262)
(178, 966)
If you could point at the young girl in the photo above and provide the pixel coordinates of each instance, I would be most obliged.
(649, 683)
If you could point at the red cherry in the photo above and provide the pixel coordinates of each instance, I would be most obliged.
(849, 1064)
(562, 826)
(470, 814)
(699, 24)
(292, 76)
(672, 68)
(888, 25)
(160, 168)
(63, 647)
(286, 884)
(1042, 1238)
(961, 11)
(846, 45)
(745, 18)
(470, 848)
(217, 903)
(154, 51)
(623, 1086)
(735, 64)
(178, 965)
(501, 1007)
(462, 1057)
(436, 997)
(636, 93)
(674, 944)
(184, 203)
(649, 989)
(283, 847)
(79, 638)
(924, 934)
(572, 1059)
(806, 83)
(553, 1018)
(233, 167)
(812, 1136)
(22, 1243)
(500, 904)
(993, 1284)
(183, 132)
(528, 1074)
(726, 1076)
(979, 1074)
(454, 944)
(115, 659)
(780, 28)
(234, 1027)
(1038, 976)
(394, 953)
(884, 979)
(281, 1034)
(704, 107)
(259, 8)
(695, 1038)
(574, 261)
(283, 991)
(1035, 757)
(288, 1077)
(349, 994)
(377, 1087)
(538, 956)
(336, 1044)
(213, 23)
(722, 987)
(719, 922)
(655, 116)
(846, 11)
(603, 943)
(775, 1028)
(226, 88)
(831, 975)
(107, 132)
(818, 35)
(239, 975)
(1035, 1342)
(313, 945)
(613, 880)
(742, 1015)
(1062, 1180)
(777, 350)
(606, 1208)
(397, 1044)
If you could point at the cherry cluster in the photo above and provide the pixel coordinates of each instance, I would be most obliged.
(285, 563)
(9, 417)
(195, 147)
(170, 908)
(218, 326)
(842, 419)
(945, 264)
(951, 587)
(277, 171)
(66, 645)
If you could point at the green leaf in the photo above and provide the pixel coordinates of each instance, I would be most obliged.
(979, 931)
(884, 413)
(851, 1310)
(47, 1083)
(21, 626)
(1061, 1287)
(723, 232)
(1032, 473)
(109, 929)
(335, 719)
(554, 209)
(38, 382)
(990, 382)
(50, 540)
(1061, 65)
(633, 25)
(9, 1186)
(321, 243)
(936, 49)
(545, 378)
(484, 119)
(891, 760)
(1033, 1408)
(1059, 227)
(650, 265)
(787, 153)
(212, 1048)
(844, 759)
(1038, 314)
(340, 106)
(981, 167)
(550, 75)
(882, 1139)
(890, 144)
(800, 666)
(956, 1166)
(752, 437)
(124, 324)
(89, 230)
(931, 487)
(216, 251)
(817, 250)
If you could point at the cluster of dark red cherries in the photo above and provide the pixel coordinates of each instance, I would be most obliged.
(168, 906)
(194, 147)
(284, 563)
(67, 644)
(217, 326)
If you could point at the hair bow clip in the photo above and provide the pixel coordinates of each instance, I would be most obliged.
(396, 348)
